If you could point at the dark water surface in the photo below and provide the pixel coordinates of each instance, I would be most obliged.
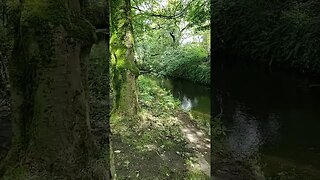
(273, 116)
(194, 97)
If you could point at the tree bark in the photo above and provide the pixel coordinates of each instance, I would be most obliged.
(49, 91)
(124, 70)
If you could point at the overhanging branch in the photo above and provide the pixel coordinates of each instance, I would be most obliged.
(174, 16)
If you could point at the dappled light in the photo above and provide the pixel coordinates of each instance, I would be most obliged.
(81, 92)
(161, 130)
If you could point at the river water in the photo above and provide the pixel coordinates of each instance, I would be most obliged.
(193, 97)
(271, 115)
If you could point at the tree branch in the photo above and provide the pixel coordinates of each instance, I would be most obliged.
(163, 15)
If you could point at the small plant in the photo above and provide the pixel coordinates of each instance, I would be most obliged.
(154, 98)
(217, 128)
(280, 32)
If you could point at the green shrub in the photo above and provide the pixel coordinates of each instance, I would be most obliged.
(188, 62)
(154, 98)
(286, 32)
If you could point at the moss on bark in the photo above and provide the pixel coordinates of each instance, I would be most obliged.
(48, 78)
(124, 69)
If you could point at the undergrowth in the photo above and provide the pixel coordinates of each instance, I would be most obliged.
(189, 62)
(202, 120)
(152, 146)
(285, 33)
(217, 128)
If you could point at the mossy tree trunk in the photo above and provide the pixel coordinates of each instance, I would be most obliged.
(49, 92)
(124, 69)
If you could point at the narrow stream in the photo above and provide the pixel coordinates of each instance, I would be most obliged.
(273, 116)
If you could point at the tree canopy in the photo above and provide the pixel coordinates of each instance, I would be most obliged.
(171, 34)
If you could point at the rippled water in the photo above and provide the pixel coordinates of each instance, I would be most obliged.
(272, 115)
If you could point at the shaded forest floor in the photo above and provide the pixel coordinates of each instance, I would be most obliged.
(5, 124)
(162, 142)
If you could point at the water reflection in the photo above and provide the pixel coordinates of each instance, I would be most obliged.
(275, 116)
(193, 96)
(186, 104)
(247, 133)
(244, 138)
(271, 130)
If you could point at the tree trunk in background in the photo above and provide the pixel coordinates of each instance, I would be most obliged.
(49, 91)
(124, 70)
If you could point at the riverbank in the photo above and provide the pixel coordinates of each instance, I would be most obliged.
(195, 98)
(156, 145)
(227, 58)
(199, 73)
(189, 63)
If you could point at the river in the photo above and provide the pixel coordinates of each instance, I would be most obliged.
(270, 115)
(194, 98)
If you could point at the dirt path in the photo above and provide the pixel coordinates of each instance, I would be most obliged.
(198, 140)
(155, 150)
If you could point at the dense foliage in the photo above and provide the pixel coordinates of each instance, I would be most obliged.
(285, 32)
(174, 39)
(189, 62)
(96, 12)
(156, 99)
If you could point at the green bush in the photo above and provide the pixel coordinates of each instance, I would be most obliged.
(154, 98)
(188, 62)
(284, 32)
(96, 12)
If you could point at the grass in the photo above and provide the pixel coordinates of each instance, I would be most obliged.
(152, 146)
(202, 120)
